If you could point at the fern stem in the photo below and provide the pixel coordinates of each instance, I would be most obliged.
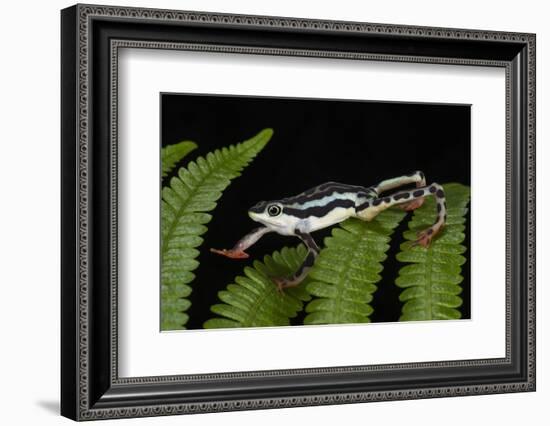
(247, 153)
(253, 300)
(431, 281)
(185, 203)
(173, 154)
(347, 269)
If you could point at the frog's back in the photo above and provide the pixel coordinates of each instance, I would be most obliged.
(328, 192)
(326, 205)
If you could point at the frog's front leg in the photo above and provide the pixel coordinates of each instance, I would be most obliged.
(303, 270)
(238, 250)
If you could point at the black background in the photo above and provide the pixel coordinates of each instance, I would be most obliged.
(314, 141)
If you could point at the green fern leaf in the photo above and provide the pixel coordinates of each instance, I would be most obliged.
(185, 202)
(432, 281)
(347, 269)
(254, 301)
(172, 154)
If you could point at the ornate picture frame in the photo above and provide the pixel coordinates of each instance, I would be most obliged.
(91, 39)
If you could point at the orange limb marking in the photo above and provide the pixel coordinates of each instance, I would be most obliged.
(412, 205)
(232, 254)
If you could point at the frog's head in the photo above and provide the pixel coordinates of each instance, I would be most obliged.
(272, 214)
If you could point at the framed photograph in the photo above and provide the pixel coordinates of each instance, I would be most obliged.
(263, 212)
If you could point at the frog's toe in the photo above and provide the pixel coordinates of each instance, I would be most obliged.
(232, 254)
(424, 238)
(280, 283)
(283, 283)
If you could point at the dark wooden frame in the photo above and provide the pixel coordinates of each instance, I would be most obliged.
(91, 388)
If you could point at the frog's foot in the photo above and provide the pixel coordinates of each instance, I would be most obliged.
(411, 205)
(424, 238)
(283, 283)
(280, 283)
(232, 254)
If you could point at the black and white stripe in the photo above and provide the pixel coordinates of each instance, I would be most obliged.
(324, 190)
(319, 211)
(321, 200)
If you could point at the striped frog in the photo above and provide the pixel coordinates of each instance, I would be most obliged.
(332, 203)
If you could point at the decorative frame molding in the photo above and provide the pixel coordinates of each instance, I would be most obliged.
(91, 388)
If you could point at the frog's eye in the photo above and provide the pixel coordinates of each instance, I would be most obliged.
(274, 210)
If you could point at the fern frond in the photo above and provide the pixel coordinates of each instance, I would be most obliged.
(183, 217)
(432, 282)
(172, 154)
(254, 301)
(347, 269)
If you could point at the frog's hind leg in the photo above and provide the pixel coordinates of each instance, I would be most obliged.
(416, 177)
(303, 270)
(389, 184)
(371, 208)
(425, 237)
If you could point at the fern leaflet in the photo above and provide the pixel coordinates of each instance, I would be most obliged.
(183, 217)
(431, 282)
(347, 269)
(172, 154)
(254, 301)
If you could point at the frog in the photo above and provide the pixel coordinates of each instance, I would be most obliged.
(331, 203)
